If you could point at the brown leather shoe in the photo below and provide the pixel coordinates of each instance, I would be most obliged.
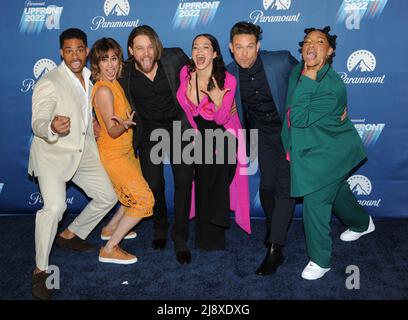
(75, 243)
(39, 289)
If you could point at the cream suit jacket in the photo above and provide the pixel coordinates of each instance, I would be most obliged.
(58, 156)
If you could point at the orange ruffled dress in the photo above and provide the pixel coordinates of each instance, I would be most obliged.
(119, 161)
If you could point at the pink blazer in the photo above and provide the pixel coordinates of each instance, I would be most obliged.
(239, 188)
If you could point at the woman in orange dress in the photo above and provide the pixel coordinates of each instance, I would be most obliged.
(116, 151)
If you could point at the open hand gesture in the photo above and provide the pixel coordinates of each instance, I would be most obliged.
(216, 94)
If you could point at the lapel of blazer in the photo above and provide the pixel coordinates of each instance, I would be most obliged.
(270, 72)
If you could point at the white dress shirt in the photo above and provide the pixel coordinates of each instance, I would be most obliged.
(83, 93)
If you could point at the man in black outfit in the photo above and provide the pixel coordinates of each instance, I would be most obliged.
(150, 80)
(262, 83)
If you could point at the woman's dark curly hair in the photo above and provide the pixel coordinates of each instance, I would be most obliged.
(218, 70)
(330, 38)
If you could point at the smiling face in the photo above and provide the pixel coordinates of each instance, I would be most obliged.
(245, 49)
(316, 49)
(203, 53)
(109, 66)
(74, 53)
(144, 53)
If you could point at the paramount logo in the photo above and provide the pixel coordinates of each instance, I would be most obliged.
(362, 61)
(361, 80)
(41, 67)
(100, 22)
(36, 198)
(258, 16)
(113, 9)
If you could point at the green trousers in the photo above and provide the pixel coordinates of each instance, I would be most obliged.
(317, 209)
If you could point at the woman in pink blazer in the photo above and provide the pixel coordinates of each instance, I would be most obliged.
(206, 94)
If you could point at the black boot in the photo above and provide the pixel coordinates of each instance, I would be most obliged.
(273, 259)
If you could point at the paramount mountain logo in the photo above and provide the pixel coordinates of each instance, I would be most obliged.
(277, 4)
(37, 17)
(361, 186)
(259, 16)
(114, 9)
(1, 187)
(361, 61)
(351, 12)
(41, 67)
(190, 14)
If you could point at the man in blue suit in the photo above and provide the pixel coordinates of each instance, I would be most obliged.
(262, 83)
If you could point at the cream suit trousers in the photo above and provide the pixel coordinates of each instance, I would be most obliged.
(93, 180)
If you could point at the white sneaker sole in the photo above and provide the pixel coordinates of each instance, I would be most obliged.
(314, 277)
(348, 236)
(127, 237)
(117, 261)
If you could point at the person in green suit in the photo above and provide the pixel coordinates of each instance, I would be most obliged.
(322, 146)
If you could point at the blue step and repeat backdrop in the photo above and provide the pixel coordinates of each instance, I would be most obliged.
(371, 57)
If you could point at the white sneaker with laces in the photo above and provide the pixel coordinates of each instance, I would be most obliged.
(349, 235)
(313, 272)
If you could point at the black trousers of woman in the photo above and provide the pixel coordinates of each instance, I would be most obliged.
(212, 200)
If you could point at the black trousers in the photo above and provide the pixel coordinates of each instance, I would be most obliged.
(154, 175)
(212, 200)
(274, 188)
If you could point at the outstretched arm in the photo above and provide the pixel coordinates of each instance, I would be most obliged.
(115, 125)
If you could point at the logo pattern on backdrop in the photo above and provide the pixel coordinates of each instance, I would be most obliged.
(116, 8)
(36, 17)
(361, 62)
(362, 187)
(279, 6)
(276, 4)
(191, 14)
(368, 132)
(114, 11)
(41, 67)
(352, 12)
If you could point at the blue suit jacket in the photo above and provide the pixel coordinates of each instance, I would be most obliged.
(278, 66)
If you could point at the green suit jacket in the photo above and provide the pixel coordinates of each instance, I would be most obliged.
(322, 148)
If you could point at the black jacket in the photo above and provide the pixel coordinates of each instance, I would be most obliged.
(172, 60)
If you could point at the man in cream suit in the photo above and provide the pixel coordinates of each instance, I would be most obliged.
(64, 149)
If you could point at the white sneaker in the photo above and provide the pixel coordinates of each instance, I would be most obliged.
(313, 272)
(349, 235)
